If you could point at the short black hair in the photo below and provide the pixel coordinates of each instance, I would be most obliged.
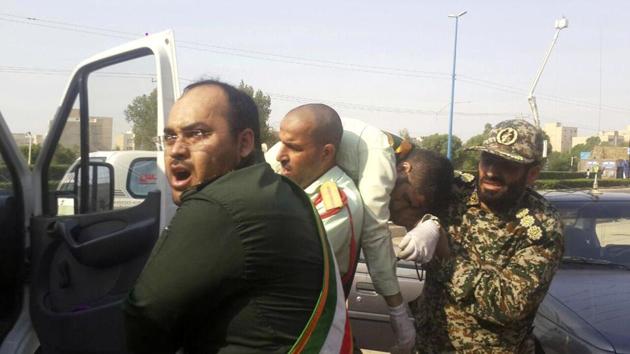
(243, 111)
(432, 176)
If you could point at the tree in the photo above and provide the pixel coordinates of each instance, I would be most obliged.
(64, 155)
(35, 148)
(142, 113)
(439, 144)
(470, 159)
(263, 103)
(559, 161)
(588, 146)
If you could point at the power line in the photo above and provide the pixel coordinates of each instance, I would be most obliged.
(259, 55)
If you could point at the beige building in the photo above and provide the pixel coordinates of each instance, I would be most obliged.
(616, 137)
(21, 139)
(125, 141)
(100, 129)
(560, 137)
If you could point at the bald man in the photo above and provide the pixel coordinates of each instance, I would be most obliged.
(310, 136)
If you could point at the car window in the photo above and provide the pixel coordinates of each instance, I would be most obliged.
(142, 177)
(598, 230)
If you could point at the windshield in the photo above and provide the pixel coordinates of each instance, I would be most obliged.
(597, 230)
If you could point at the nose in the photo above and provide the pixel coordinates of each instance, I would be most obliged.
(178, 151)
(282, 154)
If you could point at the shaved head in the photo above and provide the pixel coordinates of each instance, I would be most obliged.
(310, 136)
(326, 127)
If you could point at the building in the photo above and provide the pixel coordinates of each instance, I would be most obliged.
(22, 139)
(100, 129)
(616, 137)
(560, 137)
(125, 141)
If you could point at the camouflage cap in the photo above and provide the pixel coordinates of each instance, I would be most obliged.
(515, 140)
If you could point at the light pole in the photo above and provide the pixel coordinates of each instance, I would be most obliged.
(560, 25)
(450, 116)
(30, 146)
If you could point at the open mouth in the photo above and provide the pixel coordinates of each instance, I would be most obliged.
(180, 177)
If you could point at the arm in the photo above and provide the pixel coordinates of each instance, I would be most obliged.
(187, 268)
(377, 180)
(512, 293)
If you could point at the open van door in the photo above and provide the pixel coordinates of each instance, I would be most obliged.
(83, 265)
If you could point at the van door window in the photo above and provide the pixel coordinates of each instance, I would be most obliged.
(116, 110)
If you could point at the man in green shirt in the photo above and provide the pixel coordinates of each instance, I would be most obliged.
(244, 266)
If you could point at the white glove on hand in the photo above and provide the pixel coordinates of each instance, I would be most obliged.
(419, 244)
(404, 331)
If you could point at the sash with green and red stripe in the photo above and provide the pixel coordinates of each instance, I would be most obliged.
(328, 329)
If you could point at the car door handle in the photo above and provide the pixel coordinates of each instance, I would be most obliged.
(109, 249)
(366, 288)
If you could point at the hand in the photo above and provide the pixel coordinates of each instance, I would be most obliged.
(404, 331)
(419, 243)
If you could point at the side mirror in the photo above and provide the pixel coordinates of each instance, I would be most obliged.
(100, 188)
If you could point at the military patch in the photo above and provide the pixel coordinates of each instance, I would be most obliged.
(507, 136)
(330, 195)
(534, 233)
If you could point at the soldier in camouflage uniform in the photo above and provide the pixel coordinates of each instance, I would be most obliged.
(504, 243)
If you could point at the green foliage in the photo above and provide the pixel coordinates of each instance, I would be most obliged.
(588, 146)
(439, 144)
(35, 148)
(263, 103)
(64, 155)
(142, 113)
(470, 159)
(560, 161)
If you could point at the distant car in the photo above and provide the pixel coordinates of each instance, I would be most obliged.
(587, 308)
(135, 175)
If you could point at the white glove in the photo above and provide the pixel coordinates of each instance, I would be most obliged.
(419, 243)
(404, 331)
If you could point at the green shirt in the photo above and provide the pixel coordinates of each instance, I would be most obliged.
(238, 270)
(485, 296)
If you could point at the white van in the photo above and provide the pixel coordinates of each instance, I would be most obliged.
(135, 175)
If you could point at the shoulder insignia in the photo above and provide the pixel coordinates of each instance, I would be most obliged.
(330, 195)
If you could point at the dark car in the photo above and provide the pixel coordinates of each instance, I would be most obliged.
(587, 308)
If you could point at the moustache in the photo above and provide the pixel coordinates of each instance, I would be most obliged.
(496, 180)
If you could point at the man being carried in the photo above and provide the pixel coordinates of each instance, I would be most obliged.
(244, 266)
(310, 136)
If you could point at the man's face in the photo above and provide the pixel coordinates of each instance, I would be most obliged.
(406, 205)
(300, 155)
(501, 182)
(195, 158)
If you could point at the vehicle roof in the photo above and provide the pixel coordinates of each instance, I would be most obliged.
(586, 196)
(115, 153)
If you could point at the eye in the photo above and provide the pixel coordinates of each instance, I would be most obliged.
(170, 138)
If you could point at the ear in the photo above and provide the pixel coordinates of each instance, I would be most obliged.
(404, 168)
(245, 142)
(532, 174)
(328, 152)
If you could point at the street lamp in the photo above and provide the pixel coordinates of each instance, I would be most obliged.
(559, 25)
(450, 116)
(30, 145)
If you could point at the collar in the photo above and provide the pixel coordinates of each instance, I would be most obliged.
(333, 174)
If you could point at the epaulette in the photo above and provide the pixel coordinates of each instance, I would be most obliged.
(464, 177)
(331, 196)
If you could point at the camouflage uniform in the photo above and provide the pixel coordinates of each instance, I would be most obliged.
(484, 297)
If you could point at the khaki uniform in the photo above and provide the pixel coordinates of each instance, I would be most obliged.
(367, 156)
(343, 224)
(484, 298)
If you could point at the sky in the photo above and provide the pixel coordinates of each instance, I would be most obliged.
(386, 63)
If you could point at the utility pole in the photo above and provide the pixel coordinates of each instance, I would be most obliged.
(450, 117)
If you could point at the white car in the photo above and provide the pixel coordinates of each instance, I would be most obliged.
(135, 175)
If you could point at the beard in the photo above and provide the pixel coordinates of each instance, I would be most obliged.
(505, 198)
